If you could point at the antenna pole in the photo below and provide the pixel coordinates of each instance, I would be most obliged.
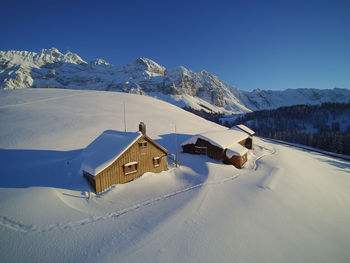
(124, 118)
(176, 160)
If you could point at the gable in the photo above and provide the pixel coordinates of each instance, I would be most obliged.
(155, 144)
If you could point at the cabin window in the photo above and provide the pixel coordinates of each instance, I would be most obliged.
(156, 161)
(143, 144)
(130, 168)
(200, 149)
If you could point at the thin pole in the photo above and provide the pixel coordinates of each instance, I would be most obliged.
(176, 160)
(124, 118)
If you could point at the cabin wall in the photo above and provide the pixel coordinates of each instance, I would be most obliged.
(237, 161)
(204, 147)
(114, 174)
(190, 148)
(248, 143)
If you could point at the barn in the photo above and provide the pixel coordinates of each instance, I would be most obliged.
(117, 157)
(226, 145)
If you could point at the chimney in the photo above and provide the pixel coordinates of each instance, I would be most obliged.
(142, 128)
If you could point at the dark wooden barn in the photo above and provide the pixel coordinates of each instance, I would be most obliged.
(118, 157)
(227, 145)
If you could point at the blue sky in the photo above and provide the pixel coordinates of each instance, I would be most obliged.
(249, 44)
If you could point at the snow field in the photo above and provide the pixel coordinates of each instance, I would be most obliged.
(285, 205)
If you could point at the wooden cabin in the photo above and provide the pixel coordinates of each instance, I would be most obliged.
(118, 157)
(226, 145)
(236, 155)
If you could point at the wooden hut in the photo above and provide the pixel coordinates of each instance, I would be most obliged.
(118, 157)
(236, 155)
(226, 145)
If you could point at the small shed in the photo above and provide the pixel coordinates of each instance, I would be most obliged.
(117, 157)
(226, 145)
(236, 155)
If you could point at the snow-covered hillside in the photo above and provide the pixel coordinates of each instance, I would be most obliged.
(285, 205)
(179, 86)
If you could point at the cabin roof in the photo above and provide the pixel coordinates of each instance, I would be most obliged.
(236, 150)
(223, 139)
(244, 128)
(107, 148)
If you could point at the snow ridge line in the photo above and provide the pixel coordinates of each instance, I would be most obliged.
(43, 100)
(19, 227)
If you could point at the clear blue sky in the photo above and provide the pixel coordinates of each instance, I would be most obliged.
(249, 44)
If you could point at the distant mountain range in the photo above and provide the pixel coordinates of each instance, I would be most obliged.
(198, 90)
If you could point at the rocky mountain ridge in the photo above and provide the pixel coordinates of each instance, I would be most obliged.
(180, 86)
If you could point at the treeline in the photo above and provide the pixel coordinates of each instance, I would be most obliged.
(211, 116)
(325, 126)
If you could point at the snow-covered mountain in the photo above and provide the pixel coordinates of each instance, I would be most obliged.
(179, 86)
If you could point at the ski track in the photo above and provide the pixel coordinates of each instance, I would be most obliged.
(270, 152)
(19, 227)
(43, 100)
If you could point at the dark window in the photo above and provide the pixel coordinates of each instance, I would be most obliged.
(200, 149)
(156, 161)
(143, 144)
(130, 168)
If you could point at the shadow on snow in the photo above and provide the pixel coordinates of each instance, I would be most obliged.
(61, 169)
(342, 165)
(43, 168)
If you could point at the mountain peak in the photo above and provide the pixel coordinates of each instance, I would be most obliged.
(150, 65)
(144, 64)
(52, 55)
(100, 62)
(51, 51)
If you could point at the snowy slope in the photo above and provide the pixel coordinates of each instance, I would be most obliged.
(285, 205)
(179, 86)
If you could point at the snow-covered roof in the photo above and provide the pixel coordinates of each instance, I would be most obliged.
(106, 148)
(223, 139)
(244, 128)
(236, 150)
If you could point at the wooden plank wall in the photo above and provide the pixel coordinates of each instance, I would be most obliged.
(237, 161)
(114, 174)
(248, 143)
(212, 151)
